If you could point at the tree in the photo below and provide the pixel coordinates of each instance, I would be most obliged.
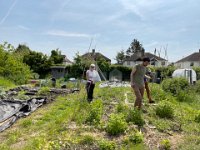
(11, 67)
(120, 57)
(135, 47)
(56, 57)
(38, 62)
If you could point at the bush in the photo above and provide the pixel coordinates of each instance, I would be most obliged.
(165, 144)
(122, 108)
(174, 85)
(184, 96)
(197, 117)
(197, 87)
(44, 91)
(116, 124)
(95, 112)
(136, 138)
(135, 116)
(106, 145)
(164, 110)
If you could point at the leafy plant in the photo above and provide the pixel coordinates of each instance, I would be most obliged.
(165, 144)
(197, 117)
(136, 138)
(95, 112)
(164, 110)
(174, 85)
(107, 145)
(135, 116)
(116, 124)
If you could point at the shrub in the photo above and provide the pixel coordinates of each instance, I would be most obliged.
(184, 96)
(122, 108)
(107, 145)
(197, 117)
(95, 112)
(135, 116)
(87, 139)
(44, 91)
(136, 138)
(197, 87)
(164, 110)
(116, 124)
(174, 85)
(165, 144)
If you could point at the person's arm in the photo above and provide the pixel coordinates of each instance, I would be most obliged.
(87, 75)
(132, 75)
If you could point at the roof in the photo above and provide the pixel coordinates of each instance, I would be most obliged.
(65, 59)
(193, 57)
(134, 57)
(95, 55)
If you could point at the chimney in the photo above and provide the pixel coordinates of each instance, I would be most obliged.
(93, 51)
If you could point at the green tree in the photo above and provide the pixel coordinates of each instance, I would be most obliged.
(120, 57)
(56, 57)
(11, 67)
(135, 47)
(38, 62)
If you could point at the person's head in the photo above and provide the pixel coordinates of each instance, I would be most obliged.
(92, 66)
(146, 61)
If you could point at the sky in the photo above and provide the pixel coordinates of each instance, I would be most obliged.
(109, 26)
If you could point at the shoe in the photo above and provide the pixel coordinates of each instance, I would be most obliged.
(152, 101)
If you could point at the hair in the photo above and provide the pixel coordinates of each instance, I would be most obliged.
(146, 59)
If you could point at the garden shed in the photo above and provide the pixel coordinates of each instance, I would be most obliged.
(189, 74)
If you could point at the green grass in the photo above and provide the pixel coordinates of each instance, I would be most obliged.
(64, 123)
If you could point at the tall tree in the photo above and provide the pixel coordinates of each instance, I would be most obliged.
(11, 67)
(38, 62)
(56, 56)
(135, 47)
(120, 57)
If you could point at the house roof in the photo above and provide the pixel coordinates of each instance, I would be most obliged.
(65, 59)
(135, 57)
(95, 55)
(193, 57)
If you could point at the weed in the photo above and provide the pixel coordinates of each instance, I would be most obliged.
(106, 145)
(165, 144)
(116, 124)
(165, 110)
(135, 116)
(95, 112)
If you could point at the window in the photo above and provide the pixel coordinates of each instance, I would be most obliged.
(192, 64)
(163, 63)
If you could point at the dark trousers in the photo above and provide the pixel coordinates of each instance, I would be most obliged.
(90, 88)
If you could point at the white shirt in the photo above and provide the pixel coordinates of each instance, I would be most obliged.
(93, 75)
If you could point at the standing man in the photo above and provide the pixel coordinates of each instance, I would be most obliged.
(137, 80)
(92, 76)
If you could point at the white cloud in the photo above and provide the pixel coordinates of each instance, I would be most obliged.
(67, 34)
(141, 7)
(23, 27)
(8, 13)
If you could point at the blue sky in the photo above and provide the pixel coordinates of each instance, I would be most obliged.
(111, 25)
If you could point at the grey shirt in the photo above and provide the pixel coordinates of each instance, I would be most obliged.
(138, 77)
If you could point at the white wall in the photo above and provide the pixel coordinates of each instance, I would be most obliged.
(187, 64)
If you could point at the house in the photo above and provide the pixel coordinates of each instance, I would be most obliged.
(190, 61)
(60, 70)
(136, 58)
(95, 55)
(66, 61)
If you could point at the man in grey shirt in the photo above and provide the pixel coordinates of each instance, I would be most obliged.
(137, 81)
